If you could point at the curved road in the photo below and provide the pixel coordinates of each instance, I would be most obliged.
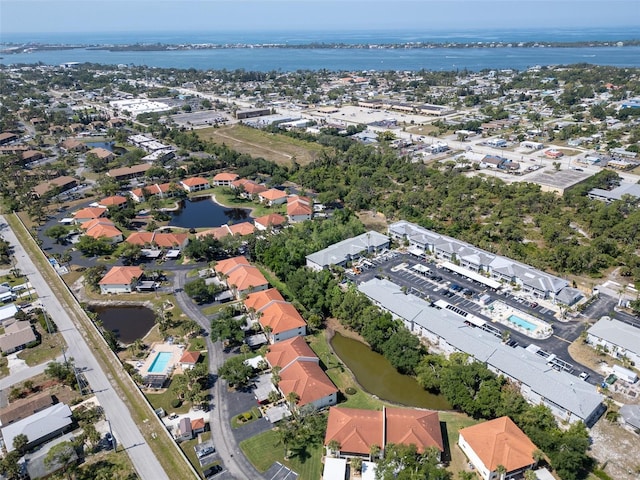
(125, 429)
(230, 454)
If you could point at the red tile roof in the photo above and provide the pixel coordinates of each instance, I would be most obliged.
(161, 239)
(225, 177)
(244, 277)
(113, 200)
(195, 181)
(308, 381)
(225, 266)
(281, 317)
(271, 220)
(190, 357)
(90, 212)
(299, 206)
(500, 442)
(406, 426)
(121, 275)
(273, 194)
(258, 300)
(283, 353)
(197, 424)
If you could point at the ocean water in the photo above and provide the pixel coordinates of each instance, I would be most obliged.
(260, 59)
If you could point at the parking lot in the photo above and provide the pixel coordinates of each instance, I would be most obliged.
(432, 283)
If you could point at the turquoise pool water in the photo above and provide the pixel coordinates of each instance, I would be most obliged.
(159, 364)
(522, 323)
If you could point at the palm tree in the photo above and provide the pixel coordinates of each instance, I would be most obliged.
(374, 452)
(501, 471)
(334, 447)
(292, 400)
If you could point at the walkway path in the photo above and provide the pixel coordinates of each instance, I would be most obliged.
(223, 438)
(125, 429)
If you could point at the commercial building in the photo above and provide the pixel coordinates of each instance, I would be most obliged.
(502, 269)
(127, 173)
(608, 196)
(348, 250)
(616, 338)
(541, 381)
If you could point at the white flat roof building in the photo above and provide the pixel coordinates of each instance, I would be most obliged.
(342, 252)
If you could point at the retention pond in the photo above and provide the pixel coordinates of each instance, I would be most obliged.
(204, 212)
(128, 323)
(378, 377)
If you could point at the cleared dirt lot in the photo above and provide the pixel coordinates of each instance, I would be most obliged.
(257, 143)
(616, 449)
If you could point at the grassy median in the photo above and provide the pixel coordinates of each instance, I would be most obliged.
(165, 449)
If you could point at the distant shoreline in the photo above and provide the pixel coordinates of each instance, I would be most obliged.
(17, 48)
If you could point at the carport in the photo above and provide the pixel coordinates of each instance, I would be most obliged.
(470, 274)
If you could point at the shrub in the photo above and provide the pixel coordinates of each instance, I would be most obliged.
(350, 391)
(176, 402)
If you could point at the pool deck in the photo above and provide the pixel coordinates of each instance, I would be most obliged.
(500, 312)
(176, 353)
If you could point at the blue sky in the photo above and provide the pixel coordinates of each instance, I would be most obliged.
(26, 16)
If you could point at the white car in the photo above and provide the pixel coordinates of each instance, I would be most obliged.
(584, 376)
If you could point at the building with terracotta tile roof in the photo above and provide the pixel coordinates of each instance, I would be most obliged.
(198, 425)
(356, 430)
(309, 382)
(120, 280)
(223, 267)
(281, 321)
(113, 201)
(89, 213)
(189, 360)
(272, 220)
(163, 190)
(6, 137)
(32, 156)
(284, 353)
(246, 279)
(160, 239)
(299, 209)
(195, 184)
(250, 189)
(497, 442)
(225, 179)
(256, 301)
(272, 197)
(102, 228)
(242, 229)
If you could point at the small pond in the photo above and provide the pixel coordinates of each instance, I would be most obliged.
(376, 375)
(107, 146)
(202, 212)
(128, 323)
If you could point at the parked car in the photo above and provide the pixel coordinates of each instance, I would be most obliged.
(212, 471)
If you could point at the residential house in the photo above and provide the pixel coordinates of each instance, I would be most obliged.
(198, 426)
(120, 280)
(16, 337)
(241, 229)
(89, 213)
(25, 407)
(249, 188)
(257, 301)
(127, 173)
(299, 209)
(615, 338)
(295, 349)
(163, 190)
(496, 443)
(246, 279)
(102, 228)
(189, 360)
(7, 137)
(160, 239)
(114, 201)
(273, 220)
(184, 431)
(39, 427)
(225, 179)
(223, 267)
(115, 122)
(102, 154)
(272, 197)
(309, 383)
(281, 321)
(357, 430)
(195, 184)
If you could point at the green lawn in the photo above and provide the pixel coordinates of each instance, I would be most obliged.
(49, 348)
(163, 400)
(455, 421)
(227, 198)
(197, 344)
(255, 414)
(4, 367)
(265, 449)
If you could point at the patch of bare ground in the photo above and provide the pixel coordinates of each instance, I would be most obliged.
(333, 326)
(616, 449)
(373, 220)
(585, 355)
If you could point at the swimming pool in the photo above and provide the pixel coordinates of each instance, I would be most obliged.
(159, 364)
(522, 323)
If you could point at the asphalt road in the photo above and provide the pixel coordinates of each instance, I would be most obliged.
(124, 428)
(223, 438)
